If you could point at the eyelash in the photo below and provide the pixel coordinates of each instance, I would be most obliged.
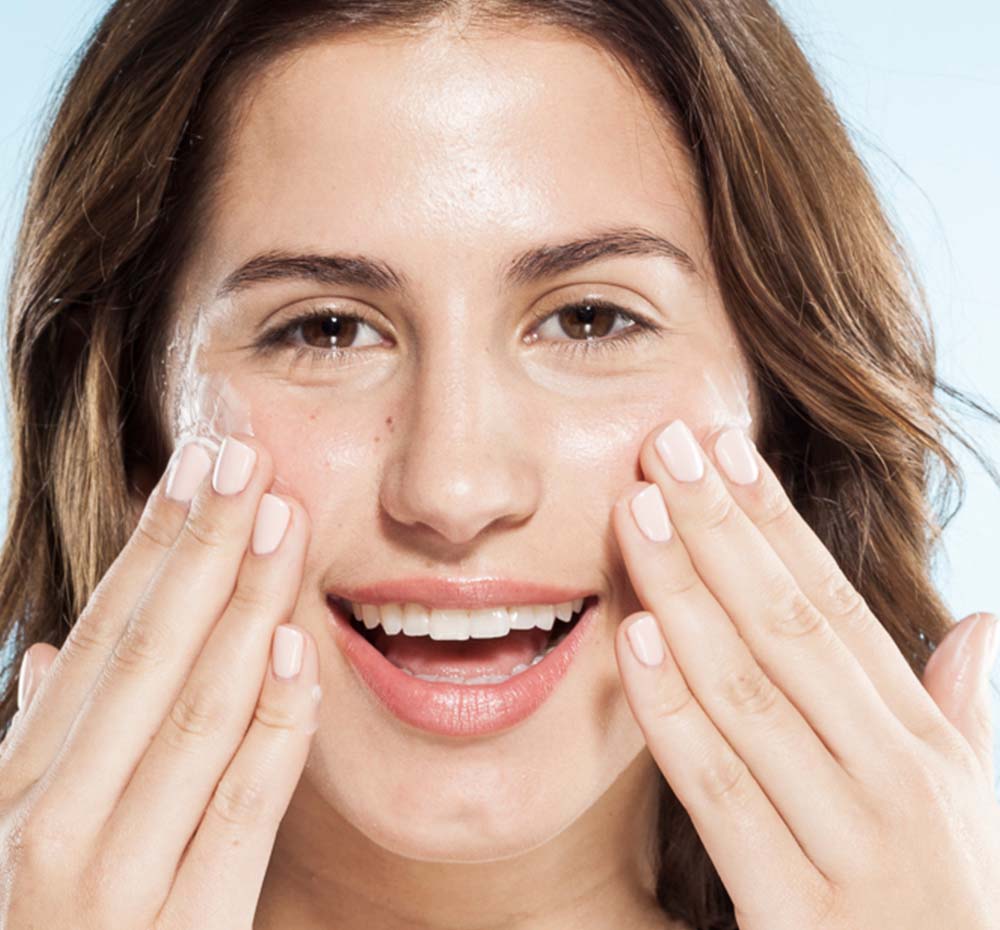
(279, 336)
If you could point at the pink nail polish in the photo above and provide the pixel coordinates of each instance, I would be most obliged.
(189, 469)
(650, 514)
(233, 467)
(286, 651)
(270, 524)
(736, 456)
(680, 452)
(645, 639)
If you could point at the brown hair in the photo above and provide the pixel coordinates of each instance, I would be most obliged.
(822, 296)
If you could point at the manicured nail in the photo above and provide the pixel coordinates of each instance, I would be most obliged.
(651, 514)
(189, 469)
(736, 456)
(645, 639)
(233, 467)
(286, 653)
(269, 527)
(992, 643)
(680, 452)
(24, 680)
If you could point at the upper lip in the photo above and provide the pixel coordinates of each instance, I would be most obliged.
(458, 593)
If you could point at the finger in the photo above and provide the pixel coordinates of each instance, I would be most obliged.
(790, 638)
(209, 720)
(38, 659)
(732, 814)
(957, 678)
(221, 875)
(814, 569)
(167, 629)
(36, 662)
(92, 637)
(754, 717)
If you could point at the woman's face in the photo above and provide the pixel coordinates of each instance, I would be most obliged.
(462, 428)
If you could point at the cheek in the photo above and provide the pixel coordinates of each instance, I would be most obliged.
(603, 437)
(322, 452)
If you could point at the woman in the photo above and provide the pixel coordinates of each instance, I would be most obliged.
(462, 326)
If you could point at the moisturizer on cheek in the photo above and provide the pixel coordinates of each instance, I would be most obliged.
(726, 400)
(205, 404)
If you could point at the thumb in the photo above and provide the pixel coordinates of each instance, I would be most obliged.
(36, 662)
(957, 676)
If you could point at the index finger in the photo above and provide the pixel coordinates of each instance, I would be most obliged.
(62, 691)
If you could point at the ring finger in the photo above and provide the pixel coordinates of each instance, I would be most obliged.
(762, 726)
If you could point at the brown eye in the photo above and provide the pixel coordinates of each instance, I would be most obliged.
(324, 332)
(587, 320)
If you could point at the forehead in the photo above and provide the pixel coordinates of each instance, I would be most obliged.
(446, 141)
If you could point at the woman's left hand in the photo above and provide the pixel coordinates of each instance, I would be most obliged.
(832, 789)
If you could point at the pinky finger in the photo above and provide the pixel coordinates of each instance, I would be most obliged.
(220, 877)
(757, 857)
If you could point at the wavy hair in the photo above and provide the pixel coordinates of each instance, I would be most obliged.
(823, 298)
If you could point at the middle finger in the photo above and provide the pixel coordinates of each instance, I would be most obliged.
(167, 629)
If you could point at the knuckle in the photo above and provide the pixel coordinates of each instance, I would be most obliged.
(197, 713)
(139, 648)
(276, 716)
(774, 506)
(680, 582)
(87, 636)
(749, 690)
(841, 599)
(250, 597)
(238, 801)
(157, 527)
(794, 615)
(949, 743)
(38, 841)
(204, 528)
(671, 703)
(726, 778)
(717, 512)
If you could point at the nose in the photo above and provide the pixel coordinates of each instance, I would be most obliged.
(459, 461)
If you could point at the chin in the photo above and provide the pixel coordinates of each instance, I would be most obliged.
(468, 828)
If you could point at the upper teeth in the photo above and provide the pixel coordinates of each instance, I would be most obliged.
(487, 623)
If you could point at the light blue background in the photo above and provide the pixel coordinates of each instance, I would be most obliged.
(920, 88)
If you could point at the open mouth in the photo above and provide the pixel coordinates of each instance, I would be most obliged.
(473, 660)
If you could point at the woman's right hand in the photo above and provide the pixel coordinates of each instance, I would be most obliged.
(143, 785)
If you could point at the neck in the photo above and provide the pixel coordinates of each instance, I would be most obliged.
(324, 873)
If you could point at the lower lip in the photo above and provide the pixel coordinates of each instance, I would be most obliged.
(458, 710)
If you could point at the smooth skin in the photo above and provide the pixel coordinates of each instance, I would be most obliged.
(165, 680)
(830, 789)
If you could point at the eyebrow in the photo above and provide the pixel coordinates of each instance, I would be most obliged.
(535, 264)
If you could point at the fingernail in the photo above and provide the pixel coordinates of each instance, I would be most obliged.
(269, 526)
(736, 456)
(645, 639)
(650, 513)
(233, 467)
(992, 644)
(188, 471)
(286, 652)
(24, 680)
(680, 452)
